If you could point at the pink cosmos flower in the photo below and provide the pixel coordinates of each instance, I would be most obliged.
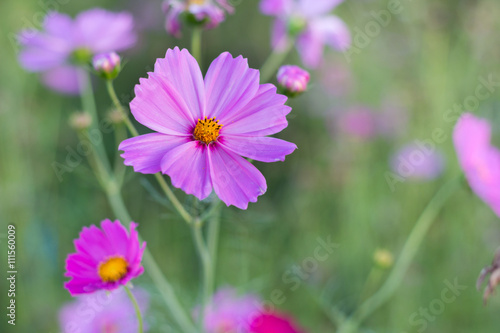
(103, 312)
(230, 312)
(479, 159)
(311, 22)
(210, 13)
(205, 126)
(272, 323)
(65, 42)
(105, 258)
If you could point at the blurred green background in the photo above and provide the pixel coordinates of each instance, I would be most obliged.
(427, 59)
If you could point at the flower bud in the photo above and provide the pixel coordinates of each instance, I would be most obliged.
(293, 80)
(107, 65)
(383, 258)
(80, 120)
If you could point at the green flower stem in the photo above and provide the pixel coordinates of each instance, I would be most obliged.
(88, 105)
(196, 44)
(167, 291)
(159, 177)
(206, 264)
(137, 309)
(408, 252)
(274, 60)
(112, 190)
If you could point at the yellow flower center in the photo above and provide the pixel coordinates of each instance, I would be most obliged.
(195, 2)
(207, 130)
(113, 269)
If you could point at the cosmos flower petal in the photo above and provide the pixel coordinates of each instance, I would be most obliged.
(264, 115)
(63, 79)
(58, 24)
(229, 84)
(41, 51)
(264, 149)
(116, 235)
(161, 107)
(273, 322)
(236, 181)
(276, 7)
(314, 8)
(145, 152)
(310, 46)
(479, 160)
(333, 31)
(187, 166)
(103, 31)
(183, 72)
(279, 35)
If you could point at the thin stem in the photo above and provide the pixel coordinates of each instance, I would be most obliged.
(137, 309)
(274, 60)
(178, 314)
(409, 251)
(196, 44)
(206, 264)
(159, 177)
(120, 108)
(88, 105)
(213, 241)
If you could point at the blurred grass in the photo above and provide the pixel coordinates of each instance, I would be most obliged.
(429, 58)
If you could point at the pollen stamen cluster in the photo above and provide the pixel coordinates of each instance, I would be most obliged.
(207, 130)
(113, 269)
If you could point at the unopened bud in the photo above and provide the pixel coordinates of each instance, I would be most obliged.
(383, 258)
(116, 117)
(80, 120)
(107, 65)
(293, 80)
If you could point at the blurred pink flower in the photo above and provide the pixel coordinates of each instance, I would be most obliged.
(478, 158)
(103, 312)
(272, 322)
(230, 312)
(418, 161)
(209, 13)
(359, 122)
(311, 23)
(293, 79)
(64, 42)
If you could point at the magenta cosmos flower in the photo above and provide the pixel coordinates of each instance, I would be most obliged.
(63, 43)
(105, 258)
(230, 312)
(272, 322)
(311, 22)
(209, 13)
(479, 159)
(103, 312)
(205, 126)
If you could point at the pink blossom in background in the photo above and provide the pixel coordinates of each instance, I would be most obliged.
(204, 127)
(103, 312)
(336, 78)
(52, 51)
(419, 160)
(272, 322)
(210, 13)
(313, 25)
(105, 259)
(478, 158)
(230, 312)
(359, 122)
